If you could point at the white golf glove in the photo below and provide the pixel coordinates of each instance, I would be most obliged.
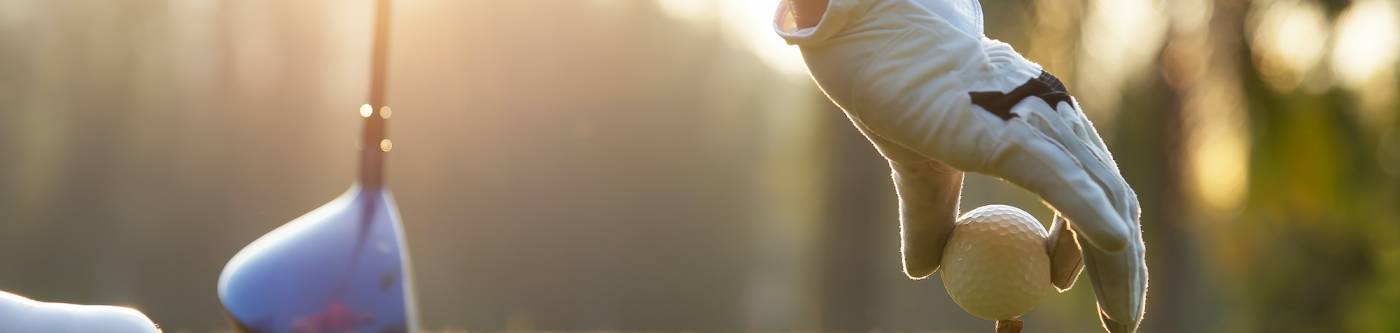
(937, 98)
(23, 315)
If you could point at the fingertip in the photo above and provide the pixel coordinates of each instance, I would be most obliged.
(919, 268)
(917, 274)
(1119, 281)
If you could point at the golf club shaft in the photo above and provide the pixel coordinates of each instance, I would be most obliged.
(374, 141)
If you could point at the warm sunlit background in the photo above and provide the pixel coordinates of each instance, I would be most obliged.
(667, 165)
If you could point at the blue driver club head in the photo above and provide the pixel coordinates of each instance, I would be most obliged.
(342, 267)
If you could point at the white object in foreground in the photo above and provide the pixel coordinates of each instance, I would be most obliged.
(995, 265)
(23, 315)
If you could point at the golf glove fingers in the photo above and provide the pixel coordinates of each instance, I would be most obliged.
(1066, 259)
(1118, 277)
(928, 192)
(928, 207)
(919, 79)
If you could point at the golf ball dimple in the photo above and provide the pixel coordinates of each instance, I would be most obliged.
(995, 265)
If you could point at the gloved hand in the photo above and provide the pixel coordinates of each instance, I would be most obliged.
(937, 98)
(23, 315)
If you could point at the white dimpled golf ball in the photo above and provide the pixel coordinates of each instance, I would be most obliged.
(995, 265)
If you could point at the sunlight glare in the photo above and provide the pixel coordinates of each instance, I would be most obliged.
(748, 23)
(1288, 39)
(1122, 39)
(752, 22)
(17, 14)
(1366, 44)
(691, 10)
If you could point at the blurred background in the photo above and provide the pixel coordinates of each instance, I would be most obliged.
(667, 165)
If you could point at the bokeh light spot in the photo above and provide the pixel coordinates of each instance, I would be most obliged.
(1122, 39)
(1218, 146)
(1288, 40)
(1366, 43)
(1365, 52)
(749, 23)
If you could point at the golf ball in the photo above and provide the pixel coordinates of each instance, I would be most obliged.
(995, 265)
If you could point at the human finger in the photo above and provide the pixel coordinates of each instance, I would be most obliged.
(1066, 259)
(928, 207)
(1037, 163)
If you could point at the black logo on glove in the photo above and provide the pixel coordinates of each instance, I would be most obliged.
(1046, 86)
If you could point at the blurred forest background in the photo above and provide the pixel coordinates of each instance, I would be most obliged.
(667, 165)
